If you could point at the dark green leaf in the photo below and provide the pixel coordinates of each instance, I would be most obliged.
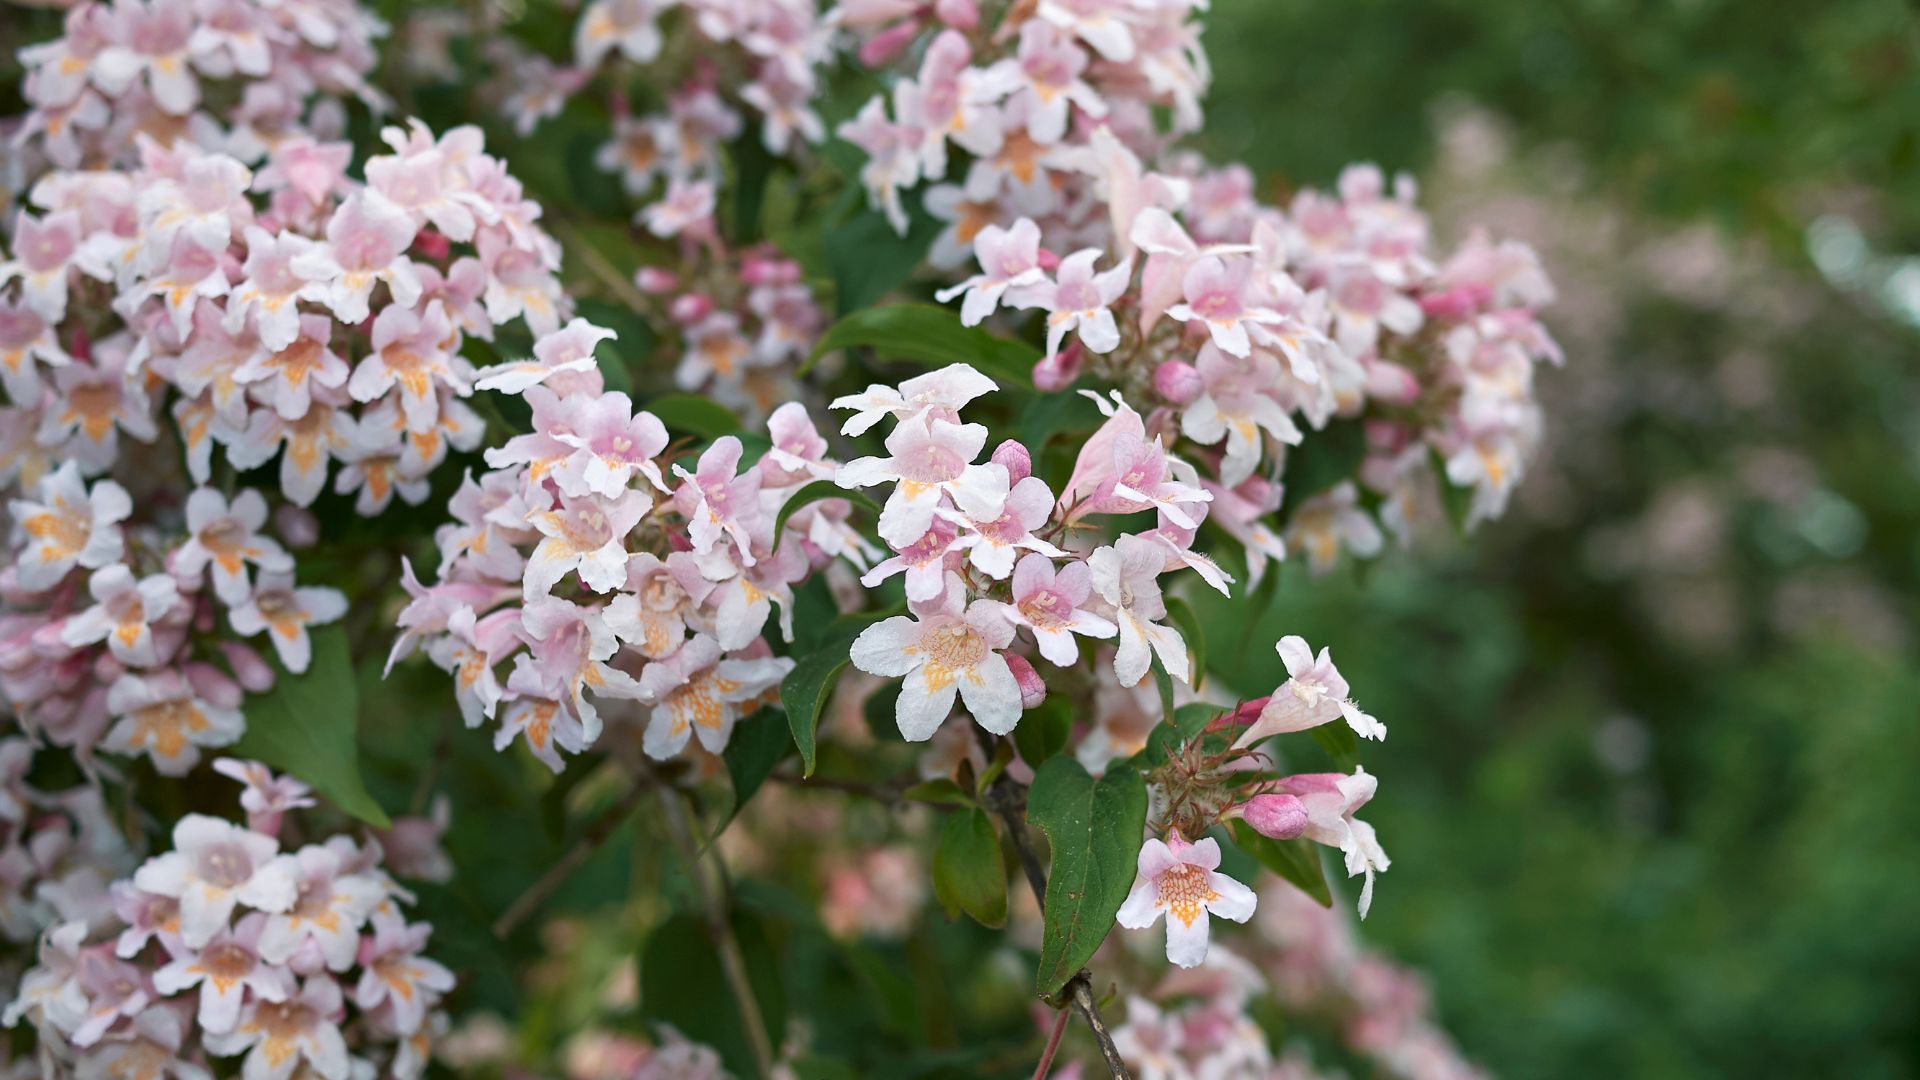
(307, 726)
(1324, 459)
(758, 744)
(1188, 722)
(1043, 731)
(681, 983)
(968, 874)
(1164, 681)
(933, 336)
(616, 357)
(1094, 829)
(1456, 500)
(1340, 743)
(1188, 623)
(941, 791)
(804, 692)
(1298, 860)
(815, 492)
(692, 415)
(868, 259)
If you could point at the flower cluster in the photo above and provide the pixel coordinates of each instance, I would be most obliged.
(600, 579)
(743, 322)
(1020, 101)
(58, 849)
(972, 539)
(242, 74)
(227, 946)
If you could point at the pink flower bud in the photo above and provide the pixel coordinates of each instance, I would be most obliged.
(1456, 303)
(212, 684)
(253, 672)
(432, 244)
(959, 14)
(1178, 381)
(655, 281)
(1282, 817)
(1243, 714)
(889, 43)
(1016, 458)
(691, 308)
(296, 525)
(1049, 261)
(760, 270)
(1391, 384)
(1058, 371)
(1032, 690)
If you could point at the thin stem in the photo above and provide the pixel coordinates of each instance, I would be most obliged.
(1008, 799)
(563, 868)
(886, 793)
(732, 964)
(1053, 1045)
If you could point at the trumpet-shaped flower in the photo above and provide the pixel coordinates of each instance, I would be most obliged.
(68, 526)
(1049, 604)
(123, 614)
(947, 647)
(1184, 881)
(1126, 576)
(214, 866)
(927, 459)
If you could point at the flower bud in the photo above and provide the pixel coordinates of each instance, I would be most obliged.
(1391, 384)
(1177, 381)
(1032, 690)
(253, 673)
(297, 526)
(959, 14)
(433, 245)
(654, 280)
(887, 44)
(690, 308)
(1016, 458)
(1282, 817)
(213, 685)
(1058, 371)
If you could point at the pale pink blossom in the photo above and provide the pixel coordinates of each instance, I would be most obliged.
(1331, 800)
(718, 500)
(1078, 299)
(1314, 694)
(69, 525)
(929, 459)
(1009, 259)
(947, 647)
(1050, 605)
(586, 536)
(284, 612)
(226, 537)
(1184, 881)
(1125, 575)
(700, 692)
(215, 866)
(123, 614)
(228, 969)
(939, 394)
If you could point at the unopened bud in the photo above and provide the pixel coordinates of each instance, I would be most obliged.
(959, 14)
(1016, 458)
(1032, 690)
(1282, 817)
(690, 308)
(297, 526)
(1057, 372)
(887, 44)
(1391, 384)
(654, 280)
(1178, 381)
(252, 672)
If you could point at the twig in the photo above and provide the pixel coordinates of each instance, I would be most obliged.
(1053, 1046)
(557, 874)
(719, 928)
(1005, 796)
(886, 793)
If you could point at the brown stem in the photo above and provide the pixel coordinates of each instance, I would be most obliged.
(732, 964)
(557, 874)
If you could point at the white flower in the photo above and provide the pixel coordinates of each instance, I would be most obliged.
(228, 537)
(946, 649)
(285, 612)
(1183, 880)
(123, 613)
(1126, 577)
(1313, 694)
(928, 458)
(214, 866)
(68, 526)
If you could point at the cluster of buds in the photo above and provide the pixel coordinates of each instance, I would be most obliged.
(239, 74)
(600, 579)
(1021, 101)
(299, 962)
(743, 323)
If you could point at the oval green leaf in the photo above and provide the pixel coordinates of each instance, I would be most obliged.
(1094, 828)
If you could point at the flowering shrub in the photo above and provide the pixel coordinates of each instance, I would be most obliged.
(674, 533)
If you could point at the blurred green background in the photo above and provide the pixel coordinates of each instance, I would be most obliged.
(1650, 785)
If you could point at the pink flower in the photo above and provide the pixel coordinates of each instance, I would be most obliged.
(1049, 604)
(269, 290)
(279, 1037)
(1126, 576)
(697, 692)
(214, 866)
(43, 251)
(287, 375)
(227, 538)
(122, 615)
(1009, 259)
(367, 240)
(1077, 299)
(611, 443)
(938, 394)
(1183, 880)
(927, 460)
(153, 41)
(1313, 694)
(1331, 800)
(26, 336)
(568, 649)
(163, 716)
(1219, 296)
(267, 796)
(1236, 403)
(718, 500)
(226, 968)
(410, 350)
(585, 536)
(565, 351)
(397, 975)
(946, 648)
(925, 562)
(1330, 521)
(991, 545)
(68, 526)
(1046, 72)
(284, 612)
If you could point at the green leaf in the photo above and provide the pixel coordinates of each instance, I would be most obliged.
(1094, 828)
(758, 744)
(868, 259)
(1189, 721)
(1326, 457)
(1456, 500)
(1052, 413)
(814, 492)
(1340, 743)
(1188, 623)
(692, 415)
(933, 336)
(1164, 681)
(941, 791)
(307, 726)
(1043, 731)
(804, 692)
(1297, 860)
(968, 874)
